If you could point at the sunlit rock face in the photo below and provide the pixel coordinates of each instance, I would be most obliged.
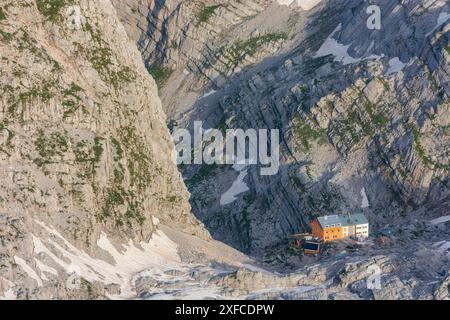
(86, 155)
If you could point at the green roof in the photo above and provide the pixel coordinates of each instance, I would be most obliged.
(356, 219)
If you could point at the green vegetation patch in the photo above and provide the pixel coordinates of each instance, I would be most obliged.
(51, 8)
(364, 119)
(299, 184)
(118, 200)
(26, 42)
(5, 36)
(203, 174)
(2, 14)
(8, 143)
(378, 119)
(385, 83)
(160, 74)
(17, 102)
(72, 100)
(250, 47)
(50, 146)
(119, 150)
(139, 158)
(245, 224)
(88, 154)
(350, 130)
(102, 59)
(98, 149)
(306, 133)
(426, 160)
(73, 91)
(206, 13)
(123, 205)
(88, 151)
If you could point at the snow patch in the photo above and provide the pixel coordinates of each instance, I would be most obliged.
(238, 187)
(364, 201)
(440, 220)
(30, 272)
(182, 285)
(208, 94)
(395, 66)
(43, 268)
(340, 51)
(9, 293)
(443, 247)
(304, 4)
(155, 221)
(442, 19)
(159, 252)
(397, 9)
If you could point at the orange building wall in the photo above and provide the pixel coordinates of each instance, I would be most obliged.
(330, 234)
(333, 234)
(317, 229)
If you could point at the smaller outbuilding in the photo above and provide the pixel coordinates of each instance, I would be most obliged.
(312, 247)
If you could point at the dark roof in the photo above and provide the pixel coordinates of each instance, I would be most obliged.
(313, 246)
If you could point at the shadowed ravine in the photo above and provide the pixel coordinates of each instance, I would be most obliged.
(367, 139)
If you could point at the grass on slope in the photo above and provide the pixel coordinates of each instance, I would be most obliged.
(206, 13)
(51, 8)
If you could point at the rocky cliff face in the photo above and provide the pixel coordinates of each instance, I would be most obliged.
(92, 206)
(85, 152)
(364, 114)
